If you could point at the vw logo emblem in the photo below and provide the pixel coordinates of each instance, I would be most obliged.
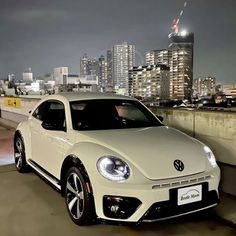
(179, 165)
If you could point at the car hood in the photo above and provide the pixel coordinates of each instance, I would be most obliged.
(153, 150)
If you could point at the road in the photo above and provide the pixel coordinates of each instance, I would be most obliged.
(30, 207)
(6, 146)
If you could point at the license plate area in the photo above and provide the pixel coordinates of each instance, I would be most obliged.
(189, 194)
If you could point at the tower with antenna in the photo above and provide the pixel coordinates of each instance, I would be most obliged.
(181, 60)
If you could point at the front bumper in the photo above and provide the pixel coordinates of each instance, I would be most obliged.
(169, 209)
(154, 201)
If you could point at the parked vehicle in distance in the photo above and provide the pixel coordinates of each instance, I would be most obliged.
(113, 159)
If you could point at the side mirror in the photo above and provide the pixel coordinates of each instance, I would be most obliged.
(161, 118)
(50, 125)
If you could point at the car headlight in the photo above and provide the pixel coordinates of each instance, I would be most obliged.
(210, 156)
(113, 168)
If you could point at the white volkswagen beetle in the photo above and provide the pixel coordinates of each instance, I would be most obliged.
(112, 158)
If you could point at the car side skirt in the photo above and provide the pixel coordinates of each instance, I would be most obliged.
(43, 173)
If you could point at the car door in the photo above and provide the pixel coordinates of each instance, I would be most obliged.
(48, 135)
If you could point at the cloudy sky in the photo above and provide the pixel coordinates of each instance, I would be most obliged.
(43, 34)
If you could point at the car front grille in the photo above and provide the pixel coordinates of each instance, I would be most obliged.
(168, 209)
(171, 184)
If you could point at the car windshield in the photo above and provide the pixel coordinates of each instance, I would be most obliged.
(103, 114)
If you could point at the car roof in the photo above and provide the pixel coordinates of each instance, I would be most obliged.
(74, 96)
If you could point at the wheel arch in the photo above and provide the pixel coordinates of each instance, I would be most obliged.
(24, 132)
(73, 160)
(17, 133)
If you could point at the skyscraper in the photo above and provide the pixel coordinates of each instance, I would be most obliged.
(88, 66)
(83, 65)
(181, 65)
(123, 59)
(110, 82)
(102, 76)
(155, 57)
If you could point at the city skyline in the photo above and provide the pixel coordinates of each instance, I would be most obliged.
(46, 35)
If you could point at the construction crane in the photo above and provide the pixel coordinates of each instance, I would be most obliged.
(175, 23)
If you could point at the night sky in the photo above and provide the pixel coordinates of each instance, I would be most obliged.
(43, 34)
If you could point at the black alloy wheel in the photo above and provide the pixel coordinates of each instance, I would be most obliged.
(79, 200)
(19, 155)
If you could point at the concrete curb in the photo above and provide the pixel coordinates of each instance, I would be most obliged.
(8, 123)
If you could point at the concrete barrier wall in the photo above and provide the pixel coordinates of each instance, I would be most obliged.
(27, 104)
(16, 117)
(218, 129)
(18, 114)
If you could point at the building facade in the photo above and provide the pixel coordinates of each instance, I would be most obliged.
(181, 65)
(28, 76)
(123, 57)
(157, 57)
(60, 75)
(149, 82)
(205, 86)
(89, 66)
(102, 76)
(229, 90)
(110, 82)
(83, 65)
(72, 78)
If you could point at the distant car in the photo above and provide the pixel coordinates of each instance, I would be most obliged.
(112, 158)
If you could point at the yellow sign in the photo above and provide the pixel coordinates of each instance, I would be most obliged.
(12, 102)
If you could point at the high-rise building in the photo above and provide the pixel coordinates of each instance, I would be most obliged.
(151, 57)
(110, 83)
(60, 75)
(89, 66)
(102, 76)
(123, 59)
(181, 65)
(204, 86)
(157, 57)
(83, 65)
(151, 81)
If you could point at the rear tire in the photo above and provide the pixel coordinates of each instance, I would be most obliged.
(19, 155)
(79, 201)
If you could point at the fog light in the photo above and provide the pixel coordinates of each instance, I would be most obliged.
(120, 207)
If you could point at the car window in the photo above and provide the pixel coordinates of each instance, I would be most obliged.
(103, 114)
(52, 112)
(131, 112)
(40, 111)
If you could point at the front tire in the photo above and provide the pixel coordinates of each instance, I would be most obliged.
(79, 201)
(19, 155)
